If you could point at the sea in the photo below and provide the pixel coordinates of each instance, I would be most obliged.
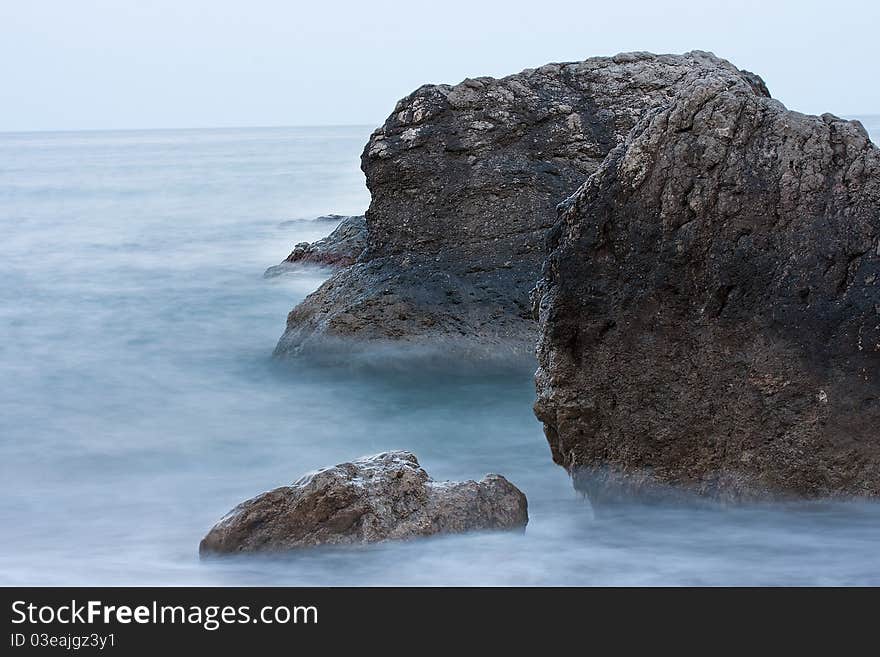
(139, 400)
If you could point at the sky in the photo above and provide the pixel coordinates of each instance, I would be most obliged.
(116, 64)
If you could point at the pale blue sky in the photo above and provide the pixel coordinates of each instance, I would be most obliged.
(94, 64)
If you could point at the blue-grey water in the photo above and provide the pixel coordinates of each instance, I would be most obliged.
(139, 400)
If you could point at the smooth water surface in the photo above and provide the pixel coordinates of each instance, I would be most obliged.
(139, 400)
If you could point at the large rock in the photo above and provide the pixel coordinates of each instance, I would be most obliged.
(710, 312)
(377, 498)
(464, 182)
(341, 247)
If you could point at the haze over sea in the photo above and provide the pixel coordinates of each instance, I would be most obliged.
(139, 401)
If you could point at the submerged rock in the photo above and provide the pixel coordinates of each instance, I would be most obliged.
(324, 218)
(377, 498)
(464, 182)
(710, 311)
(341, 247)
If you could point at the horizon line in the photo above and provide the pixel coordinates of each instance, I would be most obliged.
(4, 131)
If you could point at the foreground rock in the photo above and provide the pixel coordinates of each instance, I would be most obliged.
(378, 498)
(464, 182)
(710, 312)
(340, 248)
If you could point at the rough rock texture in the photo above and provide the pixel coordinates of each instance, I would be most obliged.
(377, 498)
(464, 182)
(340, 248)
(710, 311)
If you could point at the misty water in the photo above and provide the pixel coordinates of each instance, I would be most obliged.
(139, 401)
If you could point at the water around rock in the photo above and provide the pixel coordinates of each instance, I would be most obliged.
(181, 414)
(341, 247)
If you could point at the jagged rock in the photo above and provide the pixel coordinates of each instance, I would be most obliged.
(377, 498)
(710, 311)
(340, 248)
(464, 182)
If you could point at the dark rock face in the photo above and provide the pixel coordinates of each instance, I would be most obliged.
(710, 310)
(464, 182)
(340, 248)
(378, 498)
